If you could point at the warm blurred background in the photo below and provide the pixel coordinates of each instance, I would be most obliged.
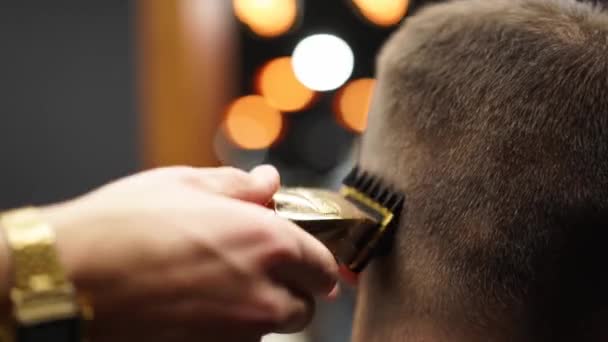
(95, 90)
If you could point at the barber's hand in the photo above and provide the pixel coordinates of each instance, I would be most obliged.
(191, 254)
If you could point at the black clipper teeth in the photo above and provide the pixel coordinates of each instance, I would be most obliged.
(375, 189)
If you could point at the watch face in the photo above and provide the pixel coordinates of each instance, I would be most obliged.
(65, 330)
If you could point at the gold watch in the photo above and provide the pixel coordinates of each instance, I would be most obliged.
(45, 306)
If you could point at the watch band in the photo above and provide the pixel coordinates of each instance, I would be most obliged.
(45, 306)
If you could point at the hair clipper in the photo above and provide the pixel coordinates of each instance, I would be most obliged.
(355, 224)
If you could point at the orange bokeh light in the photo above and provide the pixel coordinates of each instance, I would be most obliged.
(267, 18)
(382, 12)
(278, 84)
(352, 103)
(251, 123)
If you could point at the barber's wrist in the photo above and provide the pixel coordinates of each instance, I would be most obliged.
(5, 285)
(56, 216)
(69, 221)
(61, 218)
(43, 300)
(5, 274)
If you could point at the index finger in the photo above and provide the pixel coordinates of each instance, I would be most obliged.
(313, 270)
(257, 186)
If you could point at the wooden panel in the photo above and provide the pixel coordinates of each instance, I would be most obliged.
(185, 77)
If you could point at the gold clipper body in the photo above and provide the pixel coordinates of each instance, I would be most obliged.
(328, 216)
(350, 223)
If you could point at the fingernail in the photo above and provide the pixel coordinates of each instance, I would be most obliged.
(334, 293)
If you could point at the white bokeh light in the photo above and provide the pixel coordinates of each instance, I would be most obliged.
(323, 62)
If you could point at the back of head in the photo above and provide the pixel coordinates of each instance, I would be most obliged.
(492, 117)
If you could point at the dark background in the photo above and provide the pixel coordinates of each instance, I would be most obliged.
(67, 98)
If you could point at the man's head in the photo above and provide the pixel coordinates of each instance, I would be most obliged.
(492, 117)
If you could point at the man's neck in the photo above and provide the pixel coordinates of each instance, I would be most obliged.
(383, 315)
(421, 331)
(379, 323)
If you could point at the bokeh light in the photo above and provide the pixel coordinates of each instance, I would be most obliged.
(323, 62)
(382, 12)
(352, 103)
(229, 154)
(251, 123)
(277, 82)
(267, 18)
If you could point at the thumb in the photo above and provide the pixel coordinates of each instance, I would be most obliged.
(261, 184)
(268, 183)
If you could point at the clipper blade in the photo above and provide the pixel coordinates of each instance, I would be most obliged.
(378, 200)
(374, 189)
(354, 224)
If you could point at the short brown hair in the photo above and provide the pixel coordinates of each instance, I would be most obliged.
(492, 117)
